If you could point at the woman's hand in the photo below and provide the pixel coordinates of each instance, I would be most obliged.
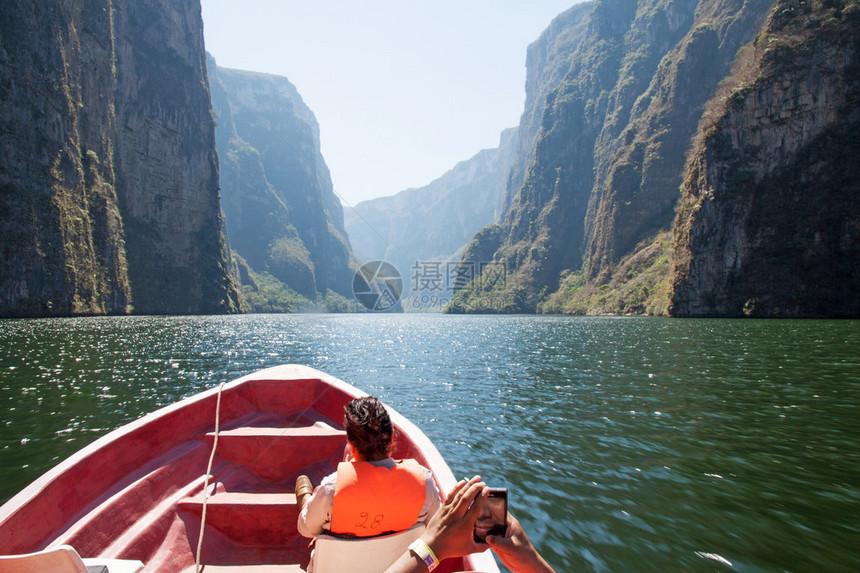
(449, 532)
(516, 551)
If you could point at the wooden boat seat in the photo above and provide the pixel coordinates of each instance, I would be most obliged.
(275, 453)
(64, 559)
(371, 555)
(249, 518)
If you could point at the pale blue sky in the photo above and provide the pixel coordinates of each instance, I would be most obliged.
(402, 89)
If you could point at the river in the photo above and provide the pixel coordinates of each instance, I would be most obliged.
(627, 444)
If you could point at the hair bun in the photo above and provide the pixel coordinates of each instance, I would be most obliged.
(368, 427)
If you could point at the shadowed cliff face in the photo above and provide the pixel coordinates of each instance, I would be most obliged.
(640, 160)
(167, 167)
(61, 238)
(770, 216)
(548, 61)
(282, 214)
(107, 168)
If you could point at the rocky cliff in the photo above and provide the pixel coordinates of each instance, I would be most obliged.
(548, 60)
(282, 214)
(769, 219)
(607, 161)
(432, 223)
(108, 171)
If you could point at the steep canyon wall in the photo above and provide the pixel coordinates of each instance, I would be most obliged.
(769, 220)
(108, 169)
(283, 216)
(768, 214)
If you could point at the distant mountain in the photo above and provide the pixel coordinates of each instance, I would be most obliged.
(591, 224)
(282, 215)
(417, 227)
(108, 170)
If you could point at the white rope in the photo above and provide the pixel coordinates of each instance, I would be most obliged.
(206, 479)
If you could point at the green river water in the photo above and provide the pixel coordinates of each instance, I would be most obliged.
(627, 444)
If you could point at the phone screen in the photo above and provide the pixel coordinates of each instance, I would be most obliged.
(494, 517)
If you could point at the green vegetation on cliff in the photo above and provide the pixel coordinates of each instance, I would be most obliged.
(63, 248)
(264, 293)
(639, 284)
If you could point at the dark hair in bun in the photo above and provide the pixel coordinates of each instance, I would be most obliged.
(368, 428)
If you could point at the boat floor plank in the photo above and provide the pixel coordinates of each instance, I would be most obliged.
(266, 518)
(291, 556)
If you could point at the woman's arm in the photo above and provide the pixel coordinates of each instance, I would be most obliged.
(449, 531)
(516, 551)
(449, 534)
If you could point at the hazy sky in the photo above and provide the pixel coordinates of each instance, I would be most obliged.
(402, 89)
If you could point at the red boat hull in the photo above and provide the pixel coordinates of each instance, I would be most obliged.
(137, 492)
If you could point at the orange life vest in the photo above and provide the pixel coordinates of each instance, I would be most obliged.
(371, 500)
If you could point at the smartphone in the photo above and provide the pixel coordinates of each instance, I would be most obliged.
(494, 517)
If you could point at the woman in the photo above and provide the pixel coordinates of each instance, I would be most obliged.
(371, 494)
